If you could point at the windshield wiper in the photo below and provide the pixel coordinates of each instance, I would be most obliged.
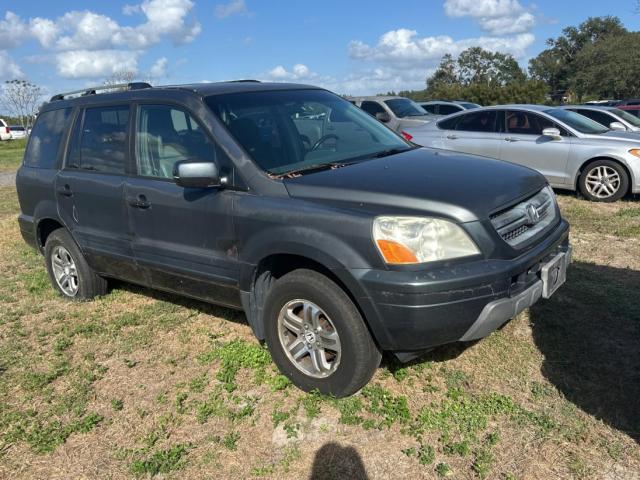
(391, 151)
(316, 167)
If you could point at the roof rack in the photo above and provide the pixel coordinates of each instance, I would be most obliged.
(93, 90)
(248, 80)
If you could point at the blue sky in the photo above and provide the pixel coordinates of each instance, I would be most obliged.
(356, 47)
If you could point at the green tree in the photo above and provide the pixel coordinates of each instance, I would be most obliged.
(555, 65)
(609, 68)
(476, 66)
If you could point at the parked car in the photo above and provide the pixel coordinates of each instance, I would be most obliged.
(443, 107)
(571, 150)
(610, 117)
(5, 133)
(338, 238)
(627, 102)
(398, 113)
(632, 109)
(17, 132)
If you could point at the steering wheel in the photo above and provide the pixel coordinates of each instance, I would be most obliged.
(323, 139)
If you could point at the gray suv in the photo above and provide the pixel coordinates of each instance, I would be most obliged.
(336, 237)
(398, 113)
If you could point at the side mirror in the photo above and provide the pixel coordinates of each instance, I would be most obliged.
(383, 117)
(618, 126)
(197, 174)
(551, 132)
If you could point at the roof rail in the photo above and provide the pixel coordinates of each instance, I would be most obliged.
(93, 90)
(244, 80)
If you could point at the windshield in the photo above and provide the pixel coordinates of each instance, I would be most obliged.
(626, 116)
(576, 121)
(290, 130)
(403, 107)
(469, 105)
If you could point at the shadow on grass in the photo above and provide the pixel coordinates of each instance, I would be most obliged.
(228, 314)
(333, 461)
(589, 334)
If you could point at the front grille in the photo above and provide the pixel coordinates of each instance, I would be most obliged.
(527, 220)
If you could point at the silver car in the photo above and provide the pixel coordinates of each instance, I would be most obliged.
(610, 117)
(572, 151)
(398, 113)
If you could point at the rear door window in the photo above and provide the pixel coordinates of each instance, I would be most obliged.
(46, 138)
(483, 121)
(100, 140)
(372, 108)
(431, 108)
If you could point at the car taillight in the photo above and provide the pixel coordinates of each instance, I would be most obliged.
(7, 130)
(406, 136)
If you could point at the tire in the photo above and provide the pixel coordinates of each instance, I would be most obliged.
(358, 356)
(616, 181)
(61, 246)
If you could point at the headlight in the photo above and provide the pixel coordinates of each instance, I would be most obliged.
(635, 152)
(406, 240)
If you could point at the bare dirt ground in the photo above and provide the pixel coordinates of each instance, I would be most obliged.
(143, 384)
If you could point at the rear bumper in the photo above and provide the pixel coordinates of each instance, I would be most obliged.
(413, 311)
(28, 230)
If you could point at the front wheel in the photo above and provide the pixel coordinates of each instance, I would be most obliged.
(604, 181)
(69, 272)
(316, 335)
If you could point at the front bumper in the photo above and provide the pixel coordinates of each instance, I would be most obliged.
(411, 311)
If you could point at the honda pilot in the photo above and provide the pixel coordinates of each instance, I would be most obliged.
(338, 238)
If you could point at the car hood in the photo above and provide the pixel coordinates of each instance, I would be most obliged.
(423, 181)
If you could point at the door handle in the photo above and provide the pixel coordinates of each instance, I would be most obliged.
(511, 139)
(65, 191)
(452, 137)
(140, 202)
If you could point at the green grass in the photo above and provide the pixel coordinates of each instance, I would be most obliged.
(11, 152)
(621, 219)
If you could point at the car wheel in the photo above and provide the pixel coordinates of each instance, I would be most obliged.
(69, 272)
(604, 181)
(316, 335)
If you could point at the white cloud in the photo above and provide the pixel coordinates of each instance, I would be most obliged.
(95, 63)
(88, 44)
(298, 72)
(44, 30)
(130, 9)
(497, 17)
(8, 68)
(404, 49)
(159, 68)
(235, 7)
(12, 30)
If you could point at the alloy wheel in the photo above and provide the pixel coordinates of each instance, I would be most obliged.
(309, 338)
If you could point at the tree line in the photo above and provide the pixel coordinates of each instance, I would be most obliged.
(598, 59)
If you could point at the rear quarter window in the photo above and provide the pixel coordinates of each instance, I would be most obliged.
(449, 123)
(46, 138)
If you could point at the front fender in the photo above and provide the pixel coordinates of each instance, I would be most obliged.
(319, 246)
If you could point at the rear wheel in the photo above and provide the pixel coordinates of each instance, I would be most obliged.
(316, 335)
(604, 181)
(69, 272)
